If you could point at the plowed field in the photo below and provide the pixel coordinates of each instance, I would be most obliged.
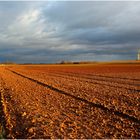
(70, 101)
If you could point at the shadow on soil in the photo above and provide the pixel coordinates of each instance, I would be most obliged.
(3, 130)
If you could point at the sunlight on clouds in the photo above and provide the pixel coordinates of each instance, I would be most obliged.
(29, 25)
(29, 17)
(70, 29)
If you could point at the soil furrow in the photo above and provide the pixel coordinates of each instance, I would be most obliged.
(126, 116)
(112, 98)
(94, 75)
(111, 83)
(42, 104)
(97, 81)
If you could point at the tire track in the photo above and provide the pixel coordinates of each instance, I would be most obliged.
(97, 77)
(97, 82)
(115, 112)
(76, 74)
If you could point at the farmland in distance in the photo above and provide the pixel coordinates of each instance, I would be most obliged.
(100, 100)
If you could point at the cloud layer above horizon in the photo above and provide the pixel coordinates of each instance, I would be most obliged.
(52, 31)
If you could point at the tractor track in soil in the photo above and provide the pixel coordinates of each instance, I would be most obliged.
(134, 87)
(97, 81)
(4, 116)
(115, 112)
(94, 75)
(122, 100)
(100, 78)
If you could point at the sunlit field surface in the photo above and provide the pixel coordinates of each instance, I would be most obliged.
(100, 100)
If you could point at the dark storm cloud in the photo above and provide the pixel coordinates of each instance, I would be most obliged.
(96, 22)
(69, 30)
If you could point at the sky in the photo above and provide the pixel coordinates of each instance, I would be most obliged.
(52, 31)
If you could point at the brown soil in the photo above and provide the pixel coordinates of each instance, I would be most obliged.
(71, 101)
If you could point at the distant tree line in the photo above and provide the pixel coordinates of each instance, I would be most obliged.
(77, 62)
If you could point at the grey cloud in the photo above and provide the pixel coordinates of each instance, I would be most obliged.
(72, 30)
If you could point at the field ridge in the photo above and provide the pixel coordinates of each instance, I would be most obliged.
(121, 114)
